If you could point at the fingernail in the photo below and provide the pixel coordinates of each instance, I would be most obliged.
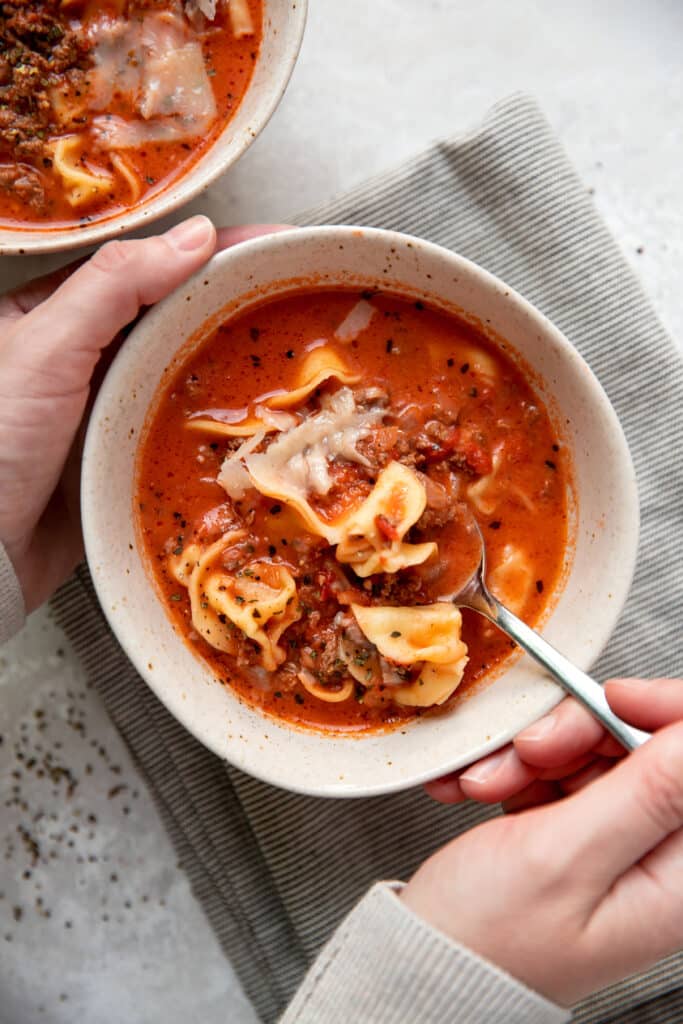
(539, 730)
(485, 770)
(190, 234)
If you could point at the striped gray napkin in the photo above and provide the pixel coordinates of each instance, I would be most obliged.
(275, 871)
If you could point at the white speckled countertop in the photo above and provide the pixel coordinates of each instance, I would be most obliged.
(97, 922)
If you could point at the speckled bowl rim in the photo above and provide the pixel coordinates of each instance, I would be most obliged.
(235, 138)
(279, 754)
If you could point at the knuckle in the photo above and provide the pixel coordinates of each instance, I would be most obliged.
(113, 255)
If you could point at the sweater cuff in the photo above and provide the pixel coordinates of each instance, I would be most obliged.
(12, 610)
(384, 965)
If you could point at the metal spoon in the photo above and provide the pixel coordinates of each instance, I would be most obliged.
(476, 595)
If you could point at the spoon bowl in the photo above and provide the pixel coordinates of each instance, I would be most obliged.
(475, 594)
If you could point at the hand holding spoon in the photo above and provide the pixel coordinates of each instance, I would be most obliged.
(476, 595)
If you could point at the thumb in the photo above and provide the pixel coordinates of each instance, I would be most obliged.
(87, 311)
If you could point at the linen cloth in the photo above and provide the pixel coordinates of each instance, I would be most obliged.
(276, 871)
(12, 611)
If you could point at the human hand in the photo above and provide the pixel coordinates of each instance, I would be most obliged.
(571, 897)
(552, 758)
(52, 334)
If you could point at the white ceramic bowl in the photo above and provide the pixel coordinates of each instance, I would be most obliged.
(599, 567)
(283, 29)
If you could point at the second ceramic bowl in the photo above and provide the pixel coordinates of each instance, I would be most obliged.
(283, 28)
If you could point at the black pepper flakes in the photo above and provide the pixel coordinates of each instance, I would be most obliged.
(539, 586)
(495, 525)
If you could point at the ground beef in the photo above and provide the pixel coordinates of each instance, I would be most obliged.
(442, 505)
(25, 182)
(455, 447)
(323, 659)
(381, 446)
(217, 521)
(351, 484)
(247, 652)
(436, 518)
(402, 588)
(39, 50)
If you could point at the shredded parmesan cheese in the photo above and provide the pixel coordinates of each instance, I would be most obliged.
(240, 18)
(296, 464)
(355, 322)
(233, 477)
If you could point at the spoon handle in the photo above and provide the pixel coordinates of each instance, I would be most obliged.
(581, 686)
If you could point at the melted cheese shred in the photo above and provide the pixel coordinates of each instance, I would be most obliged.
(296, 463)
(240, 18)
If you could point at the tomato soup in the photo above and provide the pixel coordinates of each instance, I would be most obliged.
(303, 488)
(104, 104)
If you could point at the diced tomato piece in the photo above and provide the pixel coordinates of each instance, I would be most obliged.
(387, 528)
(468, 448)
(477, 458)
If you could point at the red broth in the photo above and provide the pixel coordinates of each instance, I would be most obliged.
(455, 410)
(104, 105)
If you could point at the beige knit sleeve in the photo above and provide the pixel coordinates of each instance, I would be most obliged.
(384, 965)
(12, 611)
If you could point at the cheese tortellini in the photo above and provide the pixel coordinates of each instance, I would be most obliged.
(260, 599)
(428, 637)
(372, 535)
